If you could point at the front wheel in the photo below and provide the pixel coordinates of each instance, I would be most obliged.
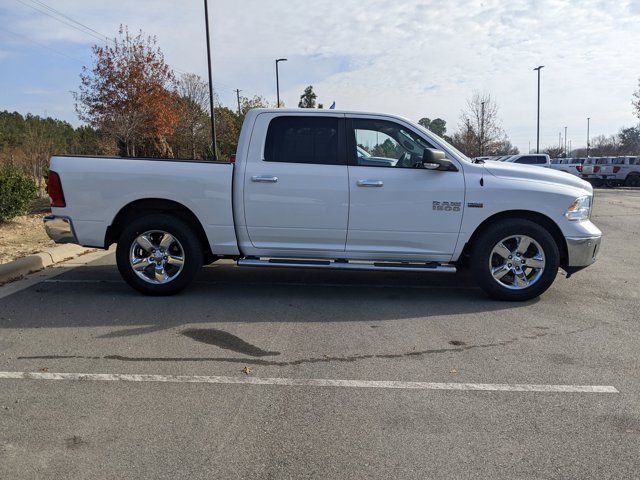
(515, 260)
(158, 254)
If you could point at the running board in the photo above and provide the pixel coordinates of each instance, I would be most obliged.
(345, 265)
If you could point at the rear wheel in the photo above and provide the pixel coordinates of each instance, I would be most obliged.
(158, 254)
(515, 260)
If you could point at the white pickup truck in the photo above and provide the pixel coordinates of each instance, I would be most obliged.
(318, 189)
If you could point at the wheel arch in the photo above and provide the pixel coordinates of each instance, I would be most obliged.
(147, 206)
(543, 220)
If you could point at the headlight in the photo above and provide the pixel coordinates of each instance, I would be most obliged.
(580, 209)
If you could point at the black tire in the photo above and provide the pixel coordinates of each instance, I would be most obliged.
(183, 233)
(632, 180)
(491, 236)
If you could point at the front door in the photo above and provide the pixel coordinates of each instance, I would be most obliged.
(296, 193)
(397, 208)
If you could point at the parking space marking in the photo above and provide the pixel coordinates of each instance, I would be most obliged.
(309, 382)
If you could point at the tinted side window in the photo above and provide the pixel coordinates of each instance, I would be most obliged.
(527, 160)
(300, 139)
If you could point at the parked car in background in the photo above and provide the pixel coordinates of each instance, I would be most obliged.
(591, 169)
(569, 165)
(622, 171)
(537, 159)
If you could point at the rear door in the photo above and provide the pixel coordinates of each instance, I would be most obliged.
(296, 193)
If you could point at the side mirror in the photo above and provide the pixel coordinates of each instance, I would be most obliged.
(435, 160)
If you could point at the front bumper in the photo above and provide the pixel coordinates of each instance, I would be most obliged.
(582, 250)
(60, 229)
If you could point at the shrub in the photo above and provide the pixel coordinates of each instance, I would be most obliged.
(17, 191)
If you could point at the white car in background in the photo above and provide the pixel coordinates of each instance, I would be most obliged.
(592, 168)
(537, 159)
(622, 171)
(568, 165)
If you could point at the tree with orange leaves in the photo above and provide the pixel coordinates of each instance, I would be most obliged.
(130, 95)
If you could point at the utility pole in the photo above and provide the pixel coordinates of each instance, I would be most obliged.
(278, 81)
(588, 141)
(565, 141)
(213, 113)
(559, 140)
(570, 149)
(538, 128)
(481, 140)
(238, 96)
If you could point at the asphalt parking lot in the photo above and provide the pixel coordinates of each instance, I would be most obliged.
(302, 329)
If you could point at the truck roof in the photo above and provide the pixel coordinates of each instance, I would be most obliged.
(317, 111)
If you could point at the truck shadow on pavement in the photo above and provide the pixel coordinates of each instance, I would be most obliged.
(94, 296)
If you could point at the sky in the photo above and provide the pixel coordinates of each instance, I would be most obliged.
(407, 57)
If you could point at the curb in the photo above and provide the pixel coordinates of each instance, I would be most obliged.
(32, 263)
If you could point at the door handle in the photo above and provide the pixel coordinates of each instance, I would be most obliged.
(264, 179)
(370, 183)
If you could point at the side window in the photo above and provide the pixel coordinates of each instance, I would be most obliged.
(302, 139)
(381, 143)
(526, 160)
(533, 160)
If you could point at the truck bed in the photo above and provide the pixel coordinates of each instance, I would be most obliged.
(97, 188)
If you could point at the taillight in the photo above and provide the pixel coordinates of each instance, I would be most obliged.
(232, 158)
(596, 168)
(54, 189)
(579, 168)
(616, 169)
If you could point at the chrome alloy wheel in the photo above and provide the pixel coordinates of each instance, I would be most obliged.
(517, 262)
(156, 257)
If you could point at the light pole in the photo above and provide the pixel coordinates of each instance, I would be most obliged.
(565, 141)
(213, 113)
(538, 129)
(278, 80)
(588, 143)
(238, 97)
(481, 140)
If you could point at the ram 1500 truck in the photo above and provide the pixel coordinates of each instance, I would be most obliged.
(328, 189)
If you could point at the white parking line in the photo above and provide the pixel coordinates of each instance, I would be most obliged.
(308, 382)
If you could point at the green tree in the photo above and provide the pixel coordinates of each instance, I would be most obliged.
(425, 122)
(308, 98)
(437, 125)
(387, 149)
(17, 191)
(629, 141)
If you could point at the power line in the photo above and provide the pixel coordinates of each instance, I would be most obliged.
(68, 17)
(41, 44)
(33, 7)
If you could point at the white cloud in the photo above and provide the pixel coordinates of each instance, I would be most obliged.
(408, 57)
